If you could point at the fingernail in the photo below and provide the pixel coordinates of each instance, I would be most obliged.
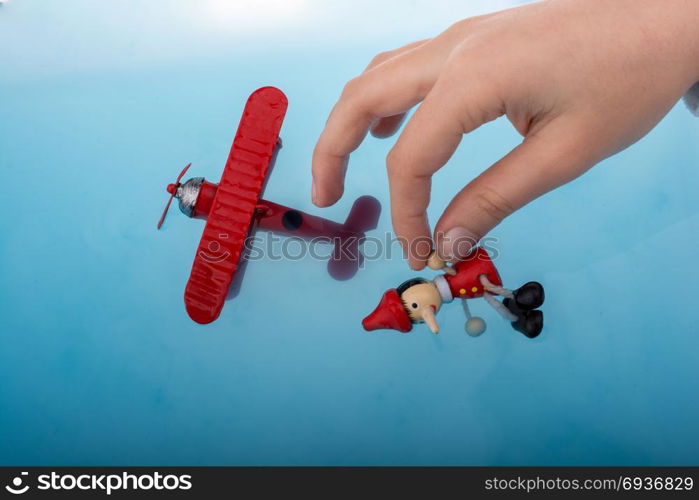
(313, 193)
(457, 243)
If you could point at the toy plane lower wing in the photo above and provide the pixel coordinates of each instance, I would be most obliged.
(235, 203)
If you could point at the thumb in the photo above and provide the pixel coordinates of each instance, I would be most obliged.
(554, 155)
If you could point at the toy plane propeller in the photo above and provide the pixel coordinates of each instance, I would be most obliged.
(234, 207)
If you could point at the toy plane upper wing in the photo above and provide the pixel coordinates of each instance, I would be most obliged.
(234, 209)
(234, 205)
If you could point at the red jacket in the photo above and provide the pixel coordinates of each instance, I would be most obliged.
(466, 283)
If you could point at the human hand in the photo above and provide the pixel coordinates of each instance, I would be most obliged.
(579, 79)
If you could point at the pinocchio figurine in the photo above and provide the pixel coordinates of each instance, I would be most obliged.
(418, 300)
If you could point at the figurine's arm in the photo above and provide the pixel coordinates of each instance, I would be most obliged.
(474, 325)
(435, 262)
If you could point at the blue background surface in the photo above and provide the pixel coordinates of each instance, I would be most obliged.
(102, 103)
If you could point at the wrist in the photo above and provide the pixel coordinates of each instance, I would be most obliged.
(672, 27)
(686, 21)
(668, 30)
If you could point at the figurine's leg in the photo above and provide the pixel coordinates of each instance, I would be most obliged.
(518, 307)
(500, 307)
(529, 296)
(529, 322)
(475, 326)
(494, 289)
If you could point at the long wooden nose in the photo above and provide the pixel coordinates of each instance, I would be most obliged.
(430, 319)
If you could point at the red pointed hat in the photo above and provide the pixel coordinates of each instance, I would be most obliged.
(389, 314)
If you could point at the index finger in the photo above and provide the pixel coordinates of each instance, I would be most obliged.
(388, 89)
(426, 144)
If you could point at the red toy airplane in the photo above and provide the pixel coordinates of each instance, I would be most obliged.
(234, 208)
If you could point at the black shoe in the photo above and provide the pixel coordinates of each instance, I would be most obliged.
(512, 306)
(530, 323)
(529, 296)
